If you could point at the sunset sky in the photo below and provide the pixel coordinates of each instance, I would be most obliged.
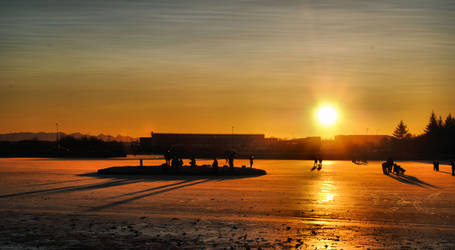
(262, 66)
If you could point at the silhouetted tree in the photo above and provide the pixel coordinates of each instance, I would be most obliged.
(449, 135)
(449, 124)
(440, 123)
(432, 127)
(401, 131)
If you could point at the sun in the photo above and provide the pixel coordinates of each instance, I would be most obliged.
(327, 115)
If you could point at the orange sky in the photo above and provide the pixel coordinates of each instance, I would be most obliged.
(200, 66)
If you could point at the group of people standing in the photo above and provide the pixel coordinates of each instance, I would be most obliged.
(391, 167)
(230, 160)
(436, 166)
(174, 160)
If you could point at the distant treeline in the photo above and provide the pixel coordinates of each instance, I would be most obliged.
(66, 146)
(51, 136)
(436, 142)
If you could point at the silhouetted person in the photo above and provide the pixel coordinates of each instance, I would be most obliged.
(452, 163)
(174, 162)
(180, 162)
(320, 161)
(315, 162)
(389, 163)
(251, 159)
(167, 157)
(384, 168)
(397, 169)
(231, 161)
(215, 164)
(193, 161)
(435, 165)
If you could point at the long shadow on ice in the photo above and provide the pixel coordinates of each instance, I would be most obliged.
(119, 180)
(53, 183)
(152, 189)
(152, 178)
(120, 202)
(412, 180)
(107, 184)
(185, 181)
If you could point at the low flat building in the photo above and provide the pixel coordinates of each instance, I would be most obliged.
(201, 143)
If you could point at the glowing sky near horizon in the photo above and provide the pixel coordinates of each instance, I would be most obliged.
(262, 66)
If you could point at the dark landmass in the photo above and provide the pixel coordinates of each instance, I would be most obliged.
(52, 137)
(87, 147)
(204, 170)
(437, 142)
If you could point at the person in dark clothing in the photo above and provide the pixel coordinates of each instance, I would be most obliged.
(320, 163)
(215, 163)
(452, 163)
(397, 169)
(389, 163)
(193, 161)
(174, 162)
(385, 168)
(251, 159)
(231, 161)
(167, 157)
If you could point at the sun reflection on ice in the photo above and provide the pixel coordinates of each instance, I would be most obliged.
(328, 197)
(327, 163)
(327, 192)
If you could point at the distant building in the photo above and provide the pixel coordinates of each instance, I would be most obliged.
(210, 143)
(360, 139)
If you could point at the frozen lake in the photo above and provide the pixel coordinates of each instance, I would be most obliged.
(45, 202)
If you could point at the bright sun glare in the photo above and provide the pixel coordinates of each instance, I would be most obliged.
(327, 115)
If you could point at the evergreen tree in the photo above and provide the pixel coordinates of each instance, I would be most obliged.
(450, 122)
(401, 131)
(440, 123)
(449, 125)
(432, 127)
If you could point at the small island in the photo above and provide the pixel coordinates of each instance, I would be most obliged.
(204, 170)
